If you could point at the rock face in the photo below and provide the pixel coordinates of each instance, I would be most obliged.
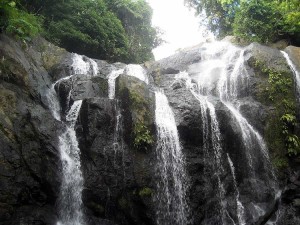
(29, 158)
(117, 137)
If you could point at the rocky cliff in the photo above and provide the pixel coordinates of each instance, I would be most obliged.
(117, 134)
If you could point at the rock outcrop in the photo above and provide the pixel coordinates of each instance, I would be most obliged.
(117, 138)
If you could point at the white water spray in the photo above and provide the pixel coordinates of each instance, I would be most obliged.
(112, 82)
(172, 185)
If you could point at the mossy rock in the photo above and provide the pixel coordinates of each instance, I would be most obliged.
(102, 84)
(96, 208)
(13, 72)
(138, 105)
(123, 203)
(145, 192)
(275, 89)
(51, 55)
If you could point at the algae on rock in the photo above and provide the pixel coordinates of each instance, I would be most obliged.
(137, 102)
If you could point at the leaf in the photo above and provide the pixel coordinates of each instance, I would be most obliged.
(12, 4)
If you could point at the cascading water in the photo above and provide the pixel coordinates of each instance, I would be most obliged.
(295, 71)
(70, 203)
(222, 74)
(211, 141)
(112, 82)
(234, 78)
(118, 144)
(172, 180)
(136, 71)
(240, 208)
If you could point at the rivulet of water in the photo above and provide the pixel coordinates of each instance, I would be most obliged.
(171, 207)
(70, 202)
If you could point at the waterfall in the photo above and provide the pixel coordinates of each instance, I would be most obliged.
(234, 78)
(222, 76)
(136, 71)
(295, 72)
(118, 144)
(112, 82)
(239, 206)
(70, 202)
(172, 183)
(83, 65)
(211, 140)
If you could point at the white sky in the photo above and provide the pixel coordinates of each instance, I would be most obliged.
(181, 28)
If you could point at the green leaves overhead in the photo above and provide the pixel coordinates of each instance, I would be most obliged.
(87, 27)
(115, 30)
(17, 22)
(253, 20)
(136, 19)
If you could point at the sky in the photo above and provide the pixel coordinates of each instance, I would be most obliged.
(181, 27)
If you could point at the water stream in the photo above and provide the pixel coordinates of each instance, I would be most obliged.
(294, 70)
(239, 206)
(222, 75)
(70, 202)
(172, 185)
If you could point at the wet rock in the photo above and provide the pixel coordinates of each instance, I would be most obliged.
(113, 173)
(29, 158)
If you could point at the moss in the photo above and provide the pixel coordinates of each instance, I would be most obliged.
(12, 71)
(145, 192)
(102, 84)
(276, 90)
(143, 137)
(5, 72)
(280, 162)
(156, 74)
(123, 203)
(51, 55)
(134, 93)
(97, 208)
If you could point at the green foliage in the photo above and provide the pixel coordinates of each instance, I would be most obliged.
(115, 30)
(277, 91)
(219, 15)
(136, 19)
(280, 163)
(145, 192)
(142, 135)
(278, 84)
(292, 141)
(18, 22)
(256, 21)
(86, 27)
(263, 21)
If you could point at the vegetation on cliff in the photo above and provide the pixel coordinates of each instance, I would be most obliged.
(118, 30)
(276, 90)
(18, 22)
(263, 21)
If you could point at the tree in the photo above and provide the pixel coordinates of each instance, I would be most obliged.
(254, 20)
(136, 19)
(87, 27)
(257, 22)
(115, 30)
(18, 22)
